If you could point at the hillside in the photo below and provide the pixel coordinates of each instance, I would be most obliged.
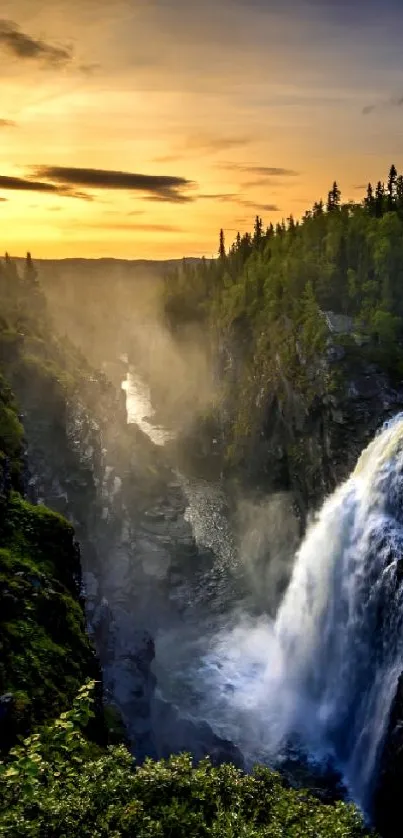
(305, 325)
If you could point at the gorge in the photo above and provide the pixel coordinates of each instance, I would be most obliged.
(230, 619)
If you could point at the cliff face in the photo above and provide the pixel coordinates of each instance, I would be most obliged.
(45, 651)
(307, 433)
(127, 508)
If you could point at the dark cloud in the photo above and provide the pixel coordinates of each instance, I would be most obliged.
(223, 197)
(263, 171)
(18, 184)
(89, 69)
(22, 185)
(7, 123)
(393, 102)
(241, 202)
(159, 187)
(262, 181)
(171, 198)
(3, 199)
(24, 46)
(213, 144)
(259, 207)
(271, 171)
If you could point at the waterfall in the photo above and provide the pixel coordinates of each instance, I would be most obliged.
(324, 673)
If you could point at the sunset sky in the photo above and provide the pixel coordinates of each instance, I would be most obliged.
(138, 128)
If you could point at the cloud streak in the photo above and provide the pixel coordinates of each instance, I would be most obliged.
(259, 207)
(262, 171)
(89, 69)
(160, 187)
(393, 102)
(133, 227)
(241, 202)
(220, 196)
(18, 184)
(23, 185)
(171, 197)
(7, 123)
(25, 47)
(214, 144)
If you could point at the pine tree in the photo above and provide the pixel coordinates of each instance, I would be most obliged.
(10, 268)
(392, 187)
(336, 195)
(30, 273)
(257, 233)
(333, 198)
(399, 193)
(221, 247)
(379, 199)
(317, 209)
(369, 201)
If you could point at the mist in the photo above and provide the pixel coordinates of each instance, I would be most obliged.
(198, 564)
(114, 310)
(267, 532)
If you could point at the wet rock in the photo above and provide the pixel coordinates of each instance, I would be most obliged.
(388, 790)
(174, 734)
(322, 779)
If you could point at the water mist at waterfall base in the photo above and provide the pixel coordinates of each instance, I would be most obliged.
(323, 674)
(317, 678)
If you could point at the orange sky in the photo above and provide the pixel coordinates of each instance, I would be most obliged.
(240, 107)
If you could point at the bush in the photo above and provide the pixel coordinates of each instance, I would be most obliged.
(56, 785)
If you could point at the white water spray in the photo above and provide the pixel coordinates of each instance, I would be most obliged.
(325, 673)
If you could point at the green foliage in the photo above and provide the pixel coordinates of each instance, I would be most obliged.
(44, 536)
(11, 433)
(57, 784)
(44, 649)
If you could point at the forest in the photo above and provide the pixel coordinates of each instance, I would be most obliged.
(263, 303)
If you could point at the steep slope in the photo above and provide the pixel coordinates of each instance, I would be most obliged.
(45, 651)
(304, 323)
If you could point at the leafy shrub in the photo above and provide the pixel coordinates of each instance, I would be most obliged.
(56, 785)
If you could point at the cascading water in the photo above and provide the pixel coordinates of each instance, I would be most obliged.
(324, 673)
(321, 678)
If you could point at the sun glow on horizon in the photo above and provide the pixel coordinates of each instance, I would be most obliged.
(140, 90)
